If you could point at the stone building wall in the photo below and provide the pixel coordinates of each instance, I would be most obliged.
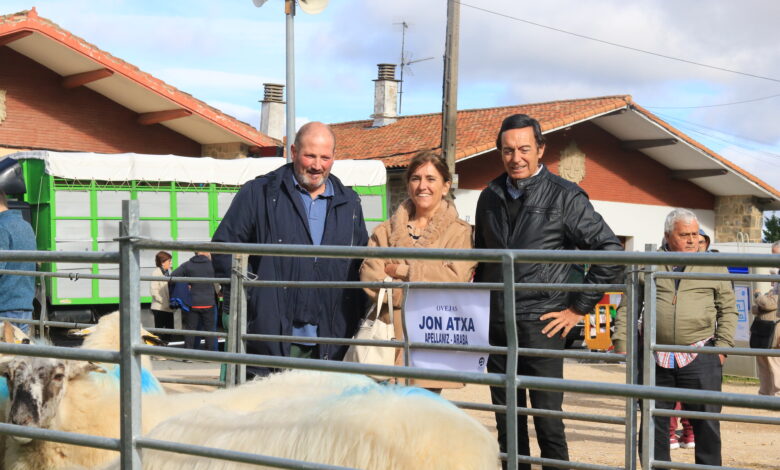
(737, 214)
(2, 105)
(396, 191)
(226, 151)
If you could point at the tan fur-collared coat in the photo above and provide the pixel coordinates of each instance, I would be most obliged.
(444, 230)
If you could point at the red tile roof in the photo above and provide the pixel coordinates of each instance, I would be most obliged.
(396, 143)
(29, 20)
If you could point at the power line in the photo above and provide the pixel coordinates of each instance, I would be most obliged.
(623, 46)
(689, 126)
(743, 139)
(715, 105)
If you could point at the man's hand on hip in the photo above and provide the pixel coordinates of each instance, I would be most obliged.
(560, 321)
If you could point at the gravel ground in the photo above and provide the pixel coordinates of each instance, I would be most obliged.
(754, 446)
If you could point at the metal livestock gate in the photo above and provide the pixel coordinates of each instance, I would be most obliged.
(128, 258)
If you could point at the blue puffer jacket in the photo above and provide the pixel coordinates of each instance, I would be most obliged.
(267, 210)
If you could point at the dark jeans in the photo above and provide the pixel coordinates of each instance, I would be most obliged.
(201, 319)
(163, 319)
(550, 434)
(704, 373)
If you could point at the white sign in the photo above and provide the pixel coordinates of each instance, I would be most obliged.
(742, 293)
(446, 316)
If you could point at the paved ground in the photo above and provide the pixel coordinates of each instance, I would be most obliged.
(744, 445)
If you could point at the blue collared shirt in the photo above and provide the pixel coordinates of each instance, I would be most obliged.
(316, 211)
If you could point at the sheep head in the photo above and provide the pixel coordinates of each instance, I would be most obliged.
(14, 335)
(36, 386)
(105, 334)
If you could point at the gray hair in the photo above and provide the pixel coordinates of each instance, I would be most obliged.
(776, 245)
(678, 215)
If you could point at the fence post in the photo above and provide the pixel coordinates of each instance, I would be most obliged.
(632, 316)
(402, 312)
(44, 314)
(233, 342)
(130, 333)
(511, 360)
(240, 310)
(648, 360)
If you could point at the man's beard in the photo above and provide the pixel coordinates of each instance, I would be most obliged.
(306, 181)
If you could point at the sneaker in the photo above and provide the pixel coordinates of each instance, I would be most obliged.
(674, 443)
(686, 443)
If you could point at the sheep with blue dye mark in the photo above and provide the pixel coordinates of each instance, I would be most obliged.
(11, 335)
(65, 395)
(105, 335)
(74, 396)
(371, 427)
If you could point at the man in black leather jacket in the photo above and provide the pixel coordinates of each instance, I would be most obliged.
(530, 208)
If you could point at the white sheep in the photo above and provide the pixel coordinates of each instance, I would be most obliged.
(13, 335)
(59, 390)
(372, 428)
(105, 335)
(68, 396)
(56, 394)
(252, 395)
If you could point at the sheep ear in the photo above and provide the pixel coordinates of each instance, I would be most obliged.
(5, 361)
(81, 332)
(8, 332)
(80, 368)
(13, 334)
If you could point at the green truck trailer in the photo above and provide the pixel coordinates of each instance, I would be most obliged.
(75, 204)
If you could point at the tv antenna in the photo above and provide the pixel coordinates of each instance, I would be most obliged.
(406, 61)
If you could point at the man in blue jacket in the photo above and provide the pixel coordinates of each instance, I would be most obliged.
(16, 292)
(201, 314)
(300, 203)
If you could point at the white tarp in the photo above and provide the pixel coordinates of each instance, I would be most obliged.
(139, 167)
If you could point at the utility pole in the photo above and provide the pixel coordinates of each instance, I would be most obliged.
(404, 26)
(289, 10)
(449, 112)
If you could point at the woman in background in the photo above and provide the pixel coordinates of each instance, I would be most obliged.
(161, 308)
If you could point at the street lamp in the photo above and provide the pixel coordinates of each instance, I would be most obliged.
(311, 7)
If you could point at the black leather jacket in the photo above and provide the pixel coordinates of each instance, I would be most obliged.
(555, 215)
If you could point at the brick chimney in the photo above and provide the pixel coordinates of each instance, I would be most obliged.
(272, 121)
(385, 96)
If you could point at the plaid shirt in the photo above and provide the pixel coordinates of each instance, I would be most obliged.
(670, 360)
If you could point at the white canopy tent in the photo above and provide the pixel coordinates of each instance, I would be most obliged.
(141, 167)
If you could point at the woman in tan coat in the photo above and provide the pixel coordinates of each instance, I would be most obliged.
(766, 308)
(161, 308)
(426, 220)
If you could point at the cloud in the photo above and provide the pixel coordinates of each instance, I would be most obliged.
(223, 51)
(245, 114)
(187, 78)
(761, 164)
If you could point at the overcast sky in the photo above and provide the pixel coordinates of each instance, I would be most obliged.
(223, 51)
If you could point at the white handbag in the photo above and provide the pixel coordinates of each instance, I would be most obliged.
(375, 329)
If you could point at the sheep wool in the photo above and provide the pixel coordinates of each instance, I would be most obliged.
(372, 428)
